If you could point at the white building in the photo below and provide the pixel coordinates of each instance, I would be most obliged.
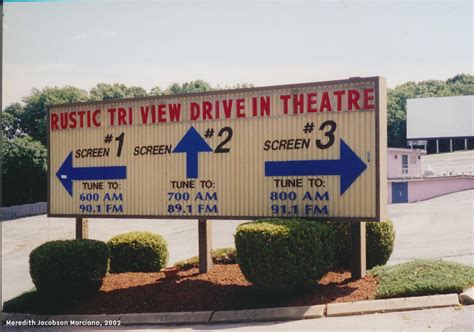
(404, 163)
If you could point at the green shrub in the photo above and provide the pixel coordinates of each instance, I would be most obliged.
(138, 252)
(219, 256)
(380, 241)
(284, 256)
(69, 268)
(422, 277)
(380, 237)
(22, 303)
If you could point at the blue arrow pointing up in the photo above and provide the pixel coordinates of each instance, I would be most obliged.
(192, 143)
(67, 173)
(349, 167)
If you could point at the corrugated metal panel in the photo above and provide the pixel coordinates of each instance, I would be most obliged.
(239, 187)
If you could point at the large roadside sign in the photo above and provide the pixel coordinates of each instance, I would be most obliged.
(312, 150)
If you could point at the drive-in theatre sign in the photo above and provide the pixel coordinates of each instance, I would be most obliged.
(314, 150)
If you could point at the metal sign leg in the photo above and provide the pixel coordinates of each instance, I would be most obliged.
(358, 250)
(82, 228)
(205, 245)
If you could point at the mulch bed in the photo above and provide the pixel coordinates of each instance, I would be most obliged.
(224, 288)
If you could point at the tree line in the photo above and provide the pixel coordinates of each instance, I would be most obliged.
(24, 155)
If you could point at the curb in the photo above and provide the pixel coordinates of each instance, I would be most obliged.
(467, 297)
(269, 314)
(197, 317)
(390, 305)
(234, 316)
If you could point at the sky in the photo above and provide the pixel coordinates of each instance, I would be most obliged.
(150, 43)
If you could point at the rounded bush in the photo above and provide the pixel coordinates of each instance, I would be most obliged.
(284, 256)
(138, 252)
(380, 237)
(69, 268)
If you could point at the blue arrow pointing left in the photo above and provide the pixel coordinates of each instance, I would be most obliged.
(67, 173)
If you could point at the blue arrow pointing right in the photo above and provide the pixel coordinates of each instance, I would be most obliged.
(349, 167)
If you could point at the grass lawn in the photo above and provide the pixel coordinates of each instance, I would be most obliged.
(422, 277)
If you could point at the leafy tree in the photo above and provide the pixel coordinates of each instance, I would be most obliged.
(11, 124)
(24, 166)
(33, 116)
(188, 87)
(135, 91)
(156, 91)
(236, 86)
(462, 84)
(105, 91)
(14, 109)
(194, 86)
(242, 86)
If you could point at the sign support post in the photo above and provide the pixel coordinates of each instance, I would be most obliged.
(82, 228)
(358, 257)
(205, 245)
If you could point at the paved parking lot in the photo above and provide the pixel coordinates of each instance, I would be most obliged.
(455, 163)
(440, 228)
